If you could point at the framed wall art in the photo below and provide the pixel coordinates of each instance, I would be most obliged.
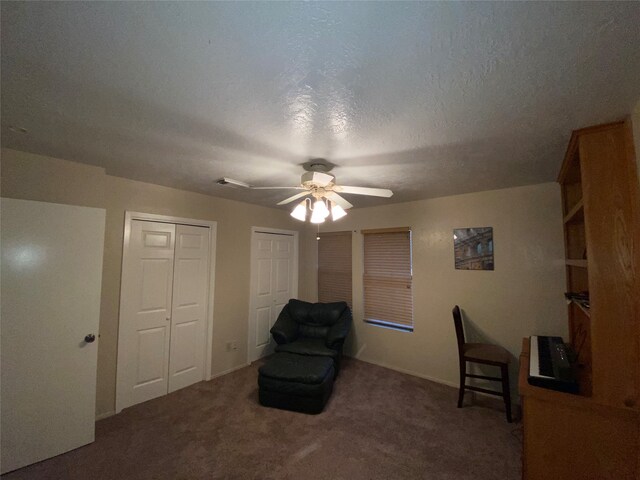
(473, 248)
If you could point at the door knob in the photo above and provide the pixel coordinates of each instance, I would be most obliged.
(90, 338)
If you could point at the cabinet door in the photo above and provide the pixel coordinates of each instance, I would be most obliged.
(578, 442)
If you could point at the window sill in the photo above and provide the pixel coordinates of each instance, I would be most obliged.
(390, 325)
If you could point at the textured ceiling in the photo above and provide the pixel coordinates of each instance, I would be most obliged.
(427, 99)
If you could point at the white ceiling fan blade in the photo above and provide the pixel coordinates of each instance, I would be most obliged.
(374, 192)
(295, 197)
(231, 181)
(334, 197)
(277, 188)
(322, 179)
(238, 183)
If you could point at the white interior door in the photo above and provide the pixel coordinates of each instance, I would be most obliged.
(272, 285)
(188, 317)
(51, 284)
(145, 316)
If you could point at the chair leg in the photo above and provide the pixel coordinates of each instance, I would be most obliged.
(506, 391)
(463, 371)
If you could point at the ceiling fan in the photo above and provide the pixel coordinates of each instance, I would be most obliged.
(321, 185)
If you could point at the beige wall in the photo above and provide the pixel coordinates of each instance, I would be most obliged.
(35, 177)
(522, 297)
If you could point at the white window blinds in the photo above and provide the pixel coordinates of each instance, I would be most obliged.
(388, 277)
(334, 267)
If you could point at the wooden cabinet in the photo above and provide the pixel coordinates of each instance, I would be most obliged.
(571, 436)
(610, 189)
(595, 434)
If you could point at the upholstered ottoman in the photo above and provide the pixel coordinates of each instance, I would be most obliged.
(302, 383)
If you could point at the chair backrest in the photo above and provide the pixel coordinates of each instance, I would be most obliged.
(457, 320)
(315, 319)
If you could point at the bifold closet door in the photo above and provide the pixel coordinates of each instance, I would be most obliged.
(145, 317)
(188, 317)
(272, 285)
(162, 339)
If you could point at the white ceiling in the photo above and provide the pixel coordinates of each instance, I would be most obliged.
(427, 99)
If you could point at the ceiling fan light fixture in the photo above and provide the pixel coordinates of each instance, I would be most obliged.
(322, 192)
(317, 217)
(300, 212)
(337, 212)
(320, 208)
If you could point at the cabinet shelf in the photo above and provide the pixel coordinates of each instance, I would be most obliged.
(577, 263)
(576, 214)
(582, 308)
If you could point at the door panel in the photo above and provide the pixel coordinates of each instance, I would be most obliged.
(156, 275)
(263, 324)
(272, 287)
(184, 344)
(51, 287)
(155, 239)
(263, 251)
(282, 275)
(189, 276)
(147, 283)
(264, 275)
(150, 356)
(283, 278)
(190, 296)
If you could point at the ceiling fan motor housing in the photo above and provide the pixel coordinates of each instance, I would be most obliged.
(310, 178)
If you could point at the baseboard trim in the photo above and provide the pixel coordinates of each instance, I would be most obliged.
(514, 398)
(230, 370)
(408, 372)
(104, 415)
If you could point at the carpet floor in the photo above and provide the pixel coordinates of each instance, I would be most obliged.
(378, 424)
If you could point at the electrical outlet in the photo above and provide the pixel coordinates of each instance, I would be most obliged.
(234, 346)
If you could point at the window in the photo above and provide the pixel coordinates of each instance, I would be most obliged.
(334, 267)
(388, 300)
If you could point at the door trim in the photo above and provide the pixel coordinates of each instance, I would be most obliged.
(129, 217)
(252, 280)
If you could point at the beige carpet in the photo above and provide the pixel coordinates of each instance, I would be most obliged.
(379, 424)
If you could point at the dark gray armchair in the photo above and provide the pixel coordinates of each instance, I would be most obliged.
(318, 329)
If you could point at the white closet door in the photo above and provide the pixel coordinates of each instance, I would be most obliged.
(145, 317)
(190, 295)
(51, 284)
(272, 286)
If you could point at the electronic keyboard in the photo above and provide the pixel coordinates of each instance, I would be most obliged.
(549, 365)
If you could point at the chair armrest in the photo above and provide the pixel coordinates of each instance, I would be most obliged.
(285, 330)
(339, 330)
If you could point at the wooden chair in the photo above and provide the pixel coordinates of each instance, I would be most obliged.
(485, 354)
